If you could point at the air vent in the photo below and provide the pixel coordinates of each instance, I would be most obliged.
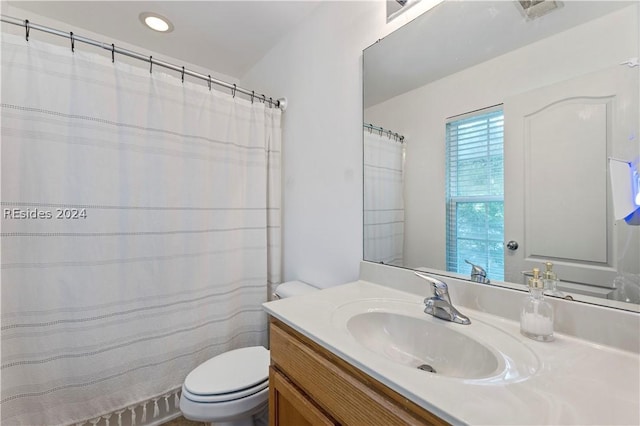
(533, 9)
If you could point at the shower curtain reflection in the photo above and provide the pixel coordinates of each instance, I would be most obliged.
(383, 198)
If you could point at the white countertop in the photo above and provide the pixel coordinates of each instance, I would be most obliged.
(576, 381)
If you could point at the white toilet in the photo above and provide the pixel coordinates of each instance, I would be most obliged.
(232, 389)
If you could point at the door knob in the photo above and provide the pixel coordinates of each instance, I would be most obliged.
(512, 245)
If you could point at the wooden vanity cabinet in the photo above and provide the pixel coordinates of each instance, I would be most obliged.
(308, 385)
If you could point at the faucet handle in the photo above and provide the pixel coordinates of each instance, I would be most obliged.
(436, 283)
(478, 274)
(440, 288)
(477, 269)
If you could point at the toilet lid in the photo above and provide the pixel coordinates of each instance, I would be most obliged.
(231, 371)
(227, 397)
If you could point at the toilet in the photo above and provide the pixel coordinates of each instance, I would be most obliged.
(232, 389)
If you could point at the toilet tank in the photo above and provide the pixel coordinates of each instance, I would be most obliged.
(292, 288)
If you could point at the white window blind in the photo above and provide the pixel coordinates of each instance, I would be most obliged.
(475, 192)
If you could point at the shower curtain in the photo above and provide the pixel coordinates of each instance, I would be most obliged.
(383, 199)
(140, 229)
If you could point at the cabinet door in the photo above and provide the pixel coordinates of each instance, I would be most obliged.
(288, 406)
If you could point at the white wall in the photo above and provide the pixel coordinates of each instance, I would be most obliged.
(318, 67)
(420, 115)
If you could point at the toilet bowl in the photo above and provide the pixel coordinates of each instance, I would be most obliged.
(232, 389)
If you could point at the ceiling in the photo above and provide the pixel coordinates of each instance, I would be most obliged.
(227, 37)
(456, 35)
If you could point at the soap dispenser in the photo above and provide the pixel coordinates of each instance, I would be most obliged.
(551, 280)
(536, 318)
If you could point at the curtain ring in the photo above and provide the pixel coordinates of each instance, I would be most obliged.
(271, 102)
(27, 28)
(233, 92)
(209, 82)
(113, 53)
(253, 93)
(183, 74)
(150, 64)
(73, 47)
(264, 99)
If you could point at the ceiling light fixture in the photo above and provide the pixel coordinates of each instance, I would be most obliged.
(156, 22)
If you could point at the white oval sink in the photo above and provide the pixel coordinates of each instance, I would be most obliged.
(414, 342)
(400, 332)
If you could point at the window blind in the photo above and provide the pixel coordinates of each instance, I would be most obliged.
(475, 192)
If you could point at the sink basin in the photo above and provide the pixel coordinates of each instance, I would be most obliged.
(398, 331)
(415, 342)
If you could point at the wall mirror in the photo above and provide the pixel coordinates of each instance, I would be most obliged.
(489, 130)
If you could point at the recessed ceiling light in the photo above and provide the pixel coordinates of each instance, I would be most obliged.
(156, 22)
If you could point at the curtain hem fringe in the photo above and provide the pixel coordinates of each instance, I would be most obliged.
(94, 421)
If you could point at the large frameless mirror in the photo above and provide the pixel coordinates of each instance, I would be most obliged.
(490, 133)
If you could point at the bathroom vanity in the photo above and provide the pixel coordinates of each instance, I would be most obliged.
(354, 354)
(309, 385)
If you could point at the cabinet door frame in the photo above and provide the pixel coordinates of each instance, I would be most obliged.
(282, 388)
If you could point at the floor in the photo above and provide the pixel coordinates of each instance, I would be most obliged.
(181, 421)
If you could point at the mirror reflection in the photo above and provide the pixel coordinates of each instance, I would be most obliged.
(498, 139)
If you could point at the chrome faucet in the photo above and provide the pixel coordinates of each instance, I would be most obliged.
(478, 274)
(440, 304)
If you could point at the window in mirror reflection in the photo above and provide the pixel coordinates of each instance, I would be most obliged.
(475, 192)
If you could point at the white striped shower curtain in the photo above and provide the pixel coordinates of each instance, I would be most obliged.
(140, 229)
(383, 199)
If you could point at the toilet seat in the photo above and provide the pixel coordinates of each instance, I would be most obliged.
(229, 376)
(229, 411)
(224, 397)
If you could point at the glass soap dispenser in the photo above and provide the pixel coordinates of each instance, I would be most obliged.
(536, 318)
(551, 280)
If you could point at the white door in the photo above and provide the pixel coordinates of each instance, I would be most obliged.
(557, 193)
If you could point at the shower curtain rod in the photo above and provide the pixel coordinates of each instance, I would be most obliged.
(279, 103)
(396, 136)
